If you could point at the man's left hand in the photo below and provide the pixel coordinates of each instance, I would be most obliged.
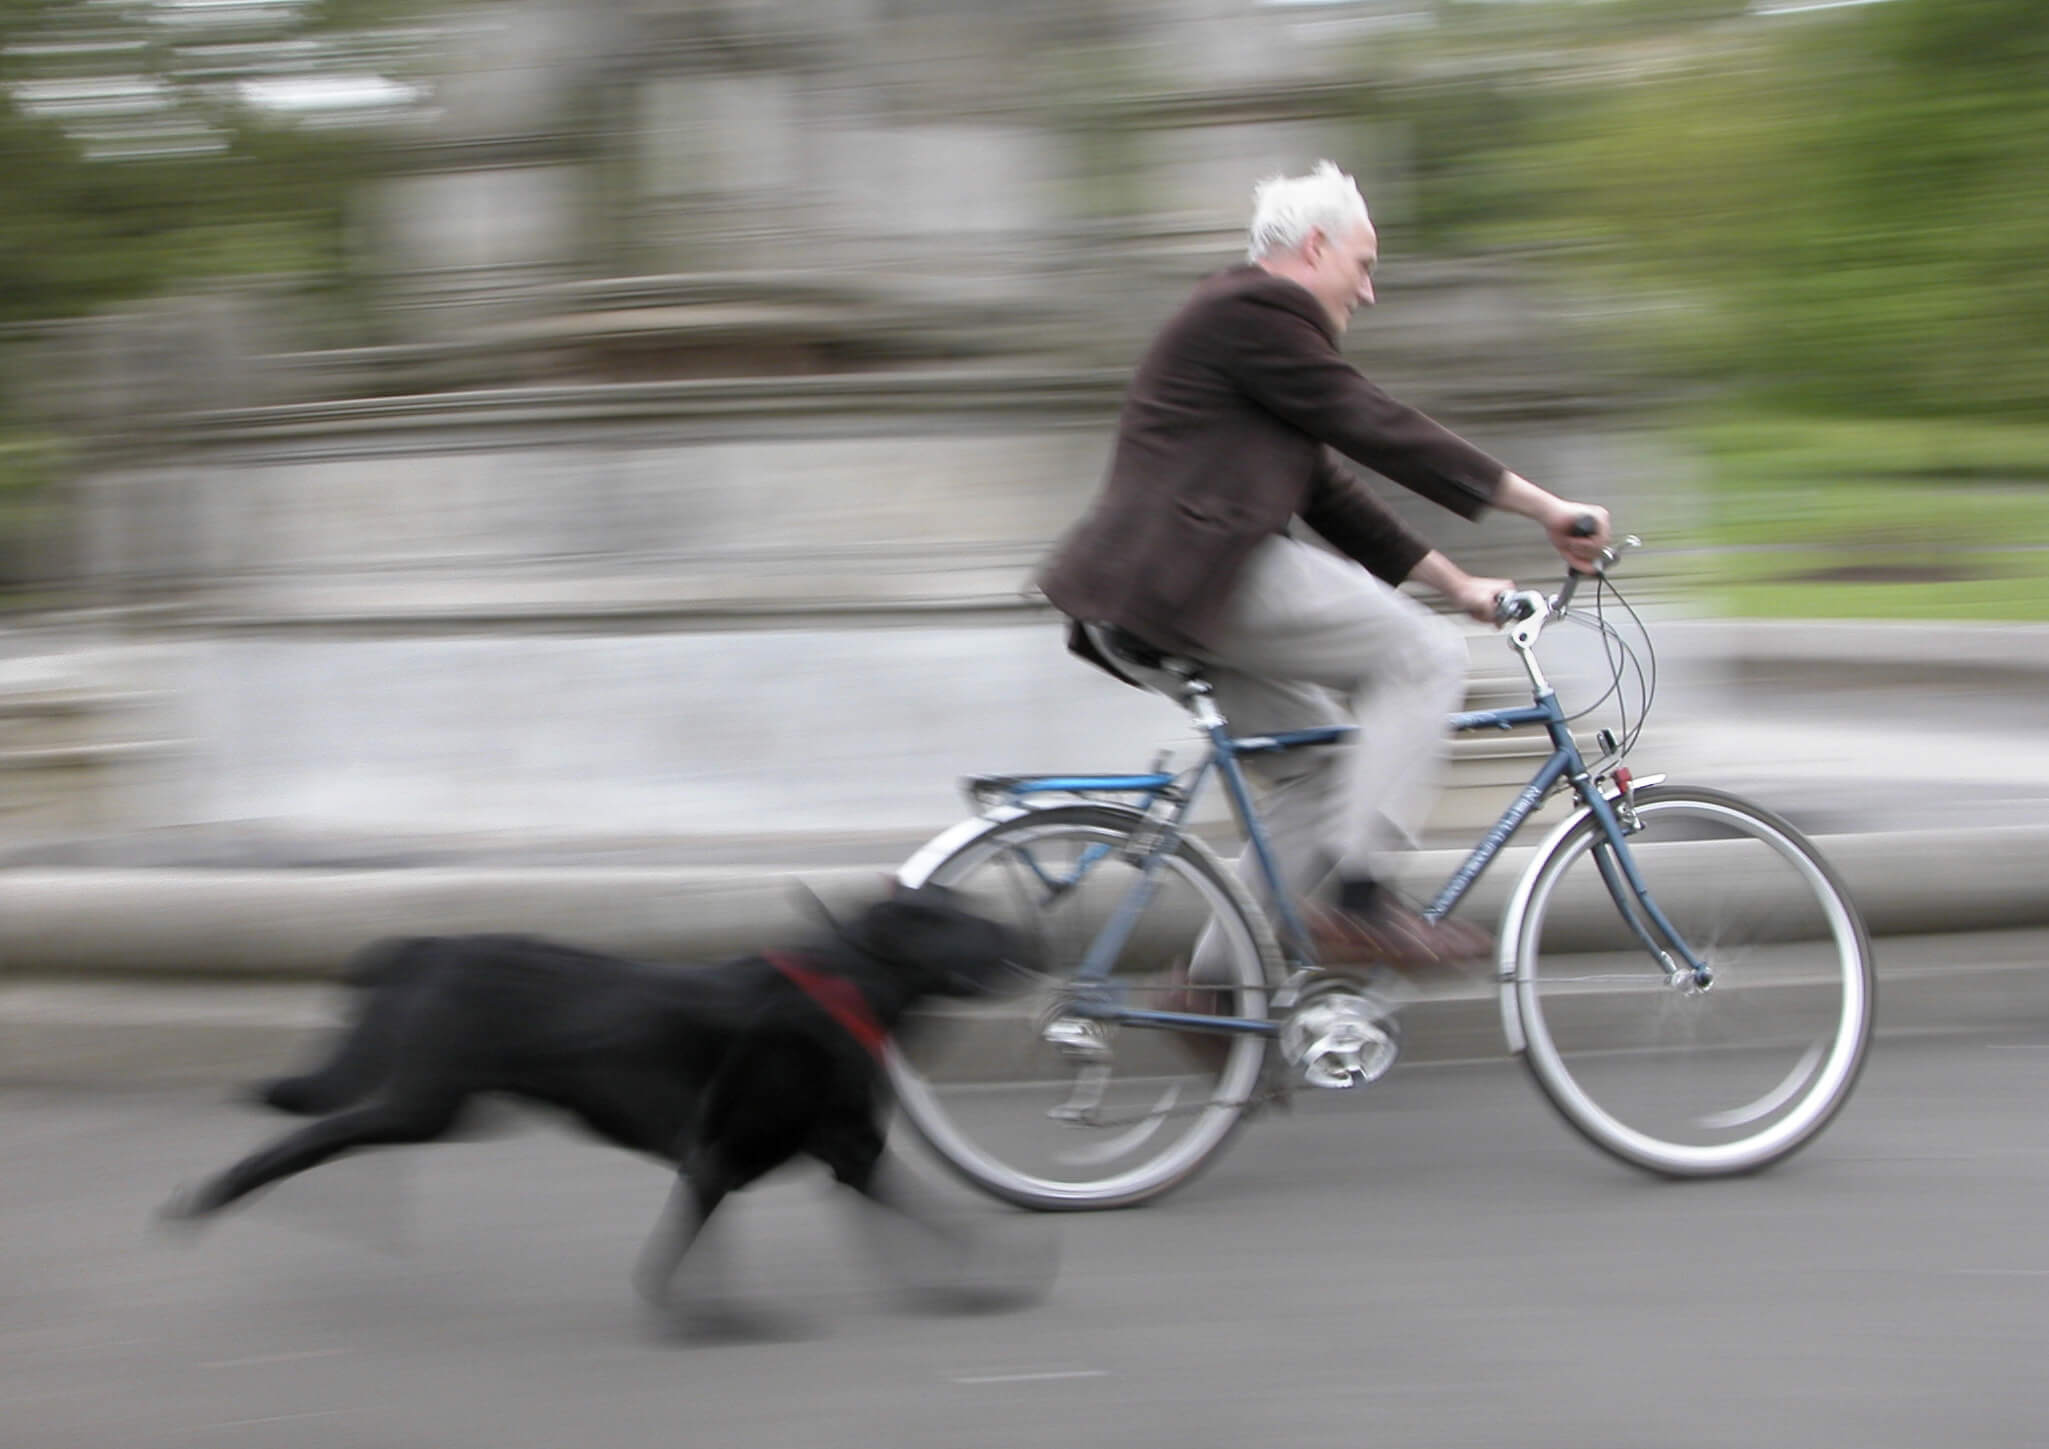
(1477, 596)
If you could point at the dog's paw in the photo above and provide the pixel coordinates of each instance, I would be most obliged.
(655, 1289)
(182, 1214)
(716, 1320)
(982, 1270)
(295, 1096)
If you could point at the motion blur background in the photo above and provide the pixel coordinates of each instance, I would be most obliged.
(636, 420)
(540, 437)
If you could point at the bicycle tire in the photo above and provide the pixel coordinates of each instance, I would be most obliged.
(1713, 1083)
(980, 1085)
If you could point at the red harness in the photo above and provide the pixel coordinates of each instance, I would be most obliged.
(838, 997)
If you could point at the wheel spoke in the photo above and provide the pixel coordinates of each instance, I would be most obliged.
(1695, 1082)
(1086, 1118)
(1771, 1101)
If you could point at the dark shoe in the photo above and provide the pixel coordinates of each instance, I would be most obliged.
(1393, 934)
(1208, 1050)
(1172, 991)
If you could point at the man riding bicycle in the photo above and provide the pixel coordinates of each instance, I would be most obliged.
(1228, 436)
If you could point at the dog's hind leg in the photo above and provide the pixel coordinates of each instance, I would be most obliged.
(418, 1117)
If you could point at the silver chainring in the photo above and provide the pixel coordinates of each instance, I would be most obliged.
(1341, 1037)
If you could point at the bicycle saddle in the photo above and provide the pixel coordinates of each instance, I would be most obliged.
(1119, 646)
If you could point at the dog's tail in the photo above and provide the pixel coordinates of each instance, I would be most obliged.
(361, 1056)
(386, 962)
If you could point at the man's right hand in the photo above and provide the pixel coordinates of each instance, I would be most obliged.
(1565, 524)
(1558, 516)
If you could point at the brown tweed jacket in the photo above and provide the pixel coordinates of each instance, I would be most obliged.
(1226, 436)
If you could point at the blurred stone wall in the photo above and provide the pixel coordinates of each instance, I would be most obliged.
(746, 357)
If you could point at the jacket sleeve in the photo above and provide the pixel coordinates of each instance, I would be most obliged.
(1359, 525)
(1288, 365)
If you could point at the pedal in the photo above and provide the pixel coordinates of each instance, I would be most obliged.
(1077, 1039)
(1341, 1038)
(1085, 1046)
(1081, 1108)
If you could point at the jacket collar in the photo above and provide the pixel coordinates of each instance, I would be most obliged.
(1248, 280)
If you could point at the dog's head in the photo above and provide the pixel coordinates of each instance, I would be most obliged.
(939, 946)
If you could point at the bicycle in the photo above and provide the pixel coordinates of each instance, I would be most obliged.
(1686, 979)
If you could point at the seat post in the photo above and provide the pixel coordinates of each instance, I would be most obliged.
(1198, 698)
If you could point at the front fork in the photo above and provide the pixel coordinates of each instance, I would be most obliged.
(1617, 820)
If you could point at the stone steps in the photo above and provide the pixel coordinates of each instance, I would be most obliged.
(67, 753)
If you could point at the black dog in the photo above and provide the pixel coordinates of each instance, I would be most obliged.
(724, 1072)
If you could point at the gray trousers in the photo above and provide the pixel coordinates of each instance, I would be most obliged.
(1311, 639)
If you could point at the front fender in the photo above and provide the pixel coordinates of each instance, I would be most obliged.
(1506, 947)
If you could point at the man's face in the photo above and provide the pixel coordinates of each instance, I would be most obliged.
(1341, 270)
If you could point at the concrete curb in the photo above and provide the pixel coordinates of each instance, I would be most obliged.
(1876, 650)
(102, 1036)
(158, 977)
(300, 924)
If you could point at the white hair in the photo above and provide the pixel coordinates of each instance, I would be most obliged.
(1285, 209)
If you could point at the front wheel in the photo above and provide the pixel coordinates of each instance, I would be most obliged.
(1042, 1106)
(1679, 1080)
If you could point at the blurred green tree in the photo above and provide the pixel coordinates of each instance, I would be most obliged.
(195, 185)
(1843, 211)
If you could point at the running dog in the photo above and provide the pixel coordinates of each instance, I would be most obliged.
(723, 1072)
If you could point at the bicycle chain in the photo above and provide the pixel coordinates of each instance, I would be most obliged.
(1257, 1099)
(1278, 1091)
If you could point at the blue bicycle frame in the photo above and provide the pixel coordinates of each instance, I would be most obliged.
(1617, 868)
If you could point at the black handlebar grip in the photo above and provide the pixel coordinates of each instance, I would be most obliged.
(1584, 526)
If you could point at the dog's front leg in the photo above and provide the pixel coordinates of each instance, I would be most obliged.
(693, 1198)
(939, 1256)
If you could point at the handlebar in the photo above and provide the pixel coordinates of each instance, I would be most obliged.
(1513, 608)
(1520, 604)
(1584, 526)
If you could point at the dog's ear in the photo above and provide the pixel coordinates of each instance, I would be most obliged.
(944, 897)
(808, 902)
(901, 890)
(929, 933)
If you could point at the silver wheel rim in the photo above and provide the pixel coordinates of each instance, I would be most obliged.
(928, 1115)
(1827, 1084)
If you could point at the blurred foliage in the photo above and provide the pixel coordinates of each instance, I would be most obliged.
(79, 234)
(1875, 518)
(30, 510)
(1840, 211)
(1993, 588)
(1781, 452)
(211, 192)
(28, 461)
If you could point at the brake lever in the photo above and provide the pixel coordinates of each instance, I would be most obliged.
(1609, 555)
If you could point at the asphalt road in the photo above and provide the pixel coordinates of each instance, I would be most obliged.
(1438, 1262)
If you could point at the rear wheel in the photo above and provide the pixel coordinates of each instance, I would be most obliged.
(1051, 1110)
